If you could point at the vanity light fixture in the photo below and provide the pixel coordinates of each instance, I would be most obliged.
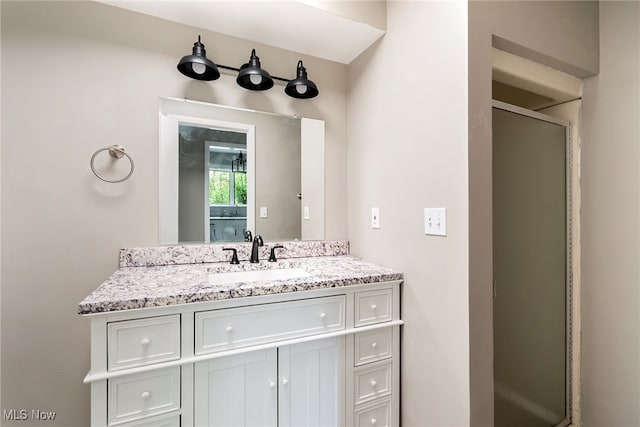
(197, 66)
(301, 87)
(239, 164)
(251, 76)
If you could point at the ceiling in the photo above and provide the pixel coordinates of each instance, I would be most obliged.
(290, 24)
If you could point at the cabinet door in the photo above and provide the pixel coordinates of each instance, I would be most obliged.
(312, 383)
(237, 390)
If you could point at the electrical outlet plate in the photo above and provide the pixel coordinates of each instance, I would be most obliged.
(305, 212)
(263, 212)
(435, 221)
(375, 217)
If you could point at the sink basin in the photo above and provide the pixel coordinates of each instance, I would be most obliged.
(257, 275)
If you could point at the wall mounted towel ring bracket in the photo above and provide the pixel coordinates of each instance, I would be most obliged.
(117, 152)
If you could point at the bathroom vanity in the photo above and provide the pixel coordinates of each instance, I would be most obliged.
(309, 340)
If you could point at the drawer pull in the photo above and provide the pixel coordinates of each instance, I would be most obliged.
(272, 385)
(373, 421)
(373, 307)
(374, 345)
(145, 395)
(145, 342)
(373, 383)
(229, 329)
(323, 315)
(285, 381)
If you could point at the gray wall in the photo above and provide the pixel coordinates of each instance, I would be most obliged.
(562, 34)
(408, 151)
(76, 77)
(278, 178)
(610, 227)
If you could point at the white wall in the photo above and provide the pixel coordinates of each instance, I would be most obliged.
(76, 77)
(611, 229)
(407, 150)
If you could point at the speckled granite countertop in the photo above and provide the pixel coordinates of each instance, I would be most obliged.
(155, 286)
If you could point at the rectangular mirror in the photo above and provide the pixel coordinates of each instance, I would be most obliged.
(223, 171)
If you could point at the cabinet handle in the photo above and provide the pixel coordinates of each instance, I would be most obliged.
(374, 345)
(145, 395)
(373, 383)
(323, 315)
(373, 307)
(229, 329)
(145, 342)
(285, 381)
(373, 421)
(272, 384)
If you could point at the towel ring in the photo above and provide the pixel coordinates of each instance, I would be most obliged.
(117, 152)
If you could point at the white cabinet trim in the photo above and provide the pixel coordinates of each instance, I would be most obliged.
(201, 358)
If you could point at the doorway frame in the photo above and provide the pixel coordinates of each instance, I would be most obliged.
(572, 187)
(168, 171)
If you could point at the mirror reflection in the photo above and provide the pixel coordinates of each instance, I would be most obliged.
(226, 171)
(218, 159)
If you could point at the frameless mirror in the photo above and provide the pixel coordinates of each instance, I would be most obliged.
(225, 171)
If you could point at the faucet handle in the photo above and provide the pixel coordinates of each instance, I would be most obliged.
(272, 257)
(234, 256)
(247, 236)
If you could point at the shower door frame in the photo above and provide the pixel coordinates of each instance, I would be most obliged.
(572, 174)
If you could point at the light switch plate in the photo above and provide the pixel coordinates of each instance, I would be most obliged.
(305, 212)
(435, 221)
(375, 217)
(263, 212)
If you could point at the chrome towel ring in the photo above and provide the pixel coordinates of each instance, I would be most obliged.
(117, 152)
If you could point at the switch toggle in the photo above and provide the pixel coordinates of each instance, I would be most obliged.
(375, 217)
(435, 221)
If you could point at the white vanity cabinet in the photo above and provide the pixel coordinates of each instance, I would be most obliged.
(326, 357)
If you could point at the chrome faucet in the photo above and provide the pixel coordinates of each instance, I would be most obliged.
(257, 242)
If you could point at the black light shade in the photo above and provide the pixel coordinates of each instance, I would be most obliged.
(301, 87)
(252, 77)
(197, 66)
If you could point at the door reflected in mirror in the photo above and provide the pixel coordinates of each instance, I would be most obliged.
(224, 171)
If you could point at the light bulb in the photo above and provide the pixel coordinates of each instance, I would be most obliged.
(255, 79)
(198, 68)
(301, 89)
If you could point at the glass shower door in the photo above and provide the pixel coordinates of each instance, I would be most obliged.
(529, 256)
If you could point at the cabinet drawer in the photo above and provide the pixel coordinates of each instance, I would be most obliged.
(373, 382)
(143, 342)
(240, 327)
(164, 422)
(133, 397)
(373, 345)
(377, 415)
(373, 307)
